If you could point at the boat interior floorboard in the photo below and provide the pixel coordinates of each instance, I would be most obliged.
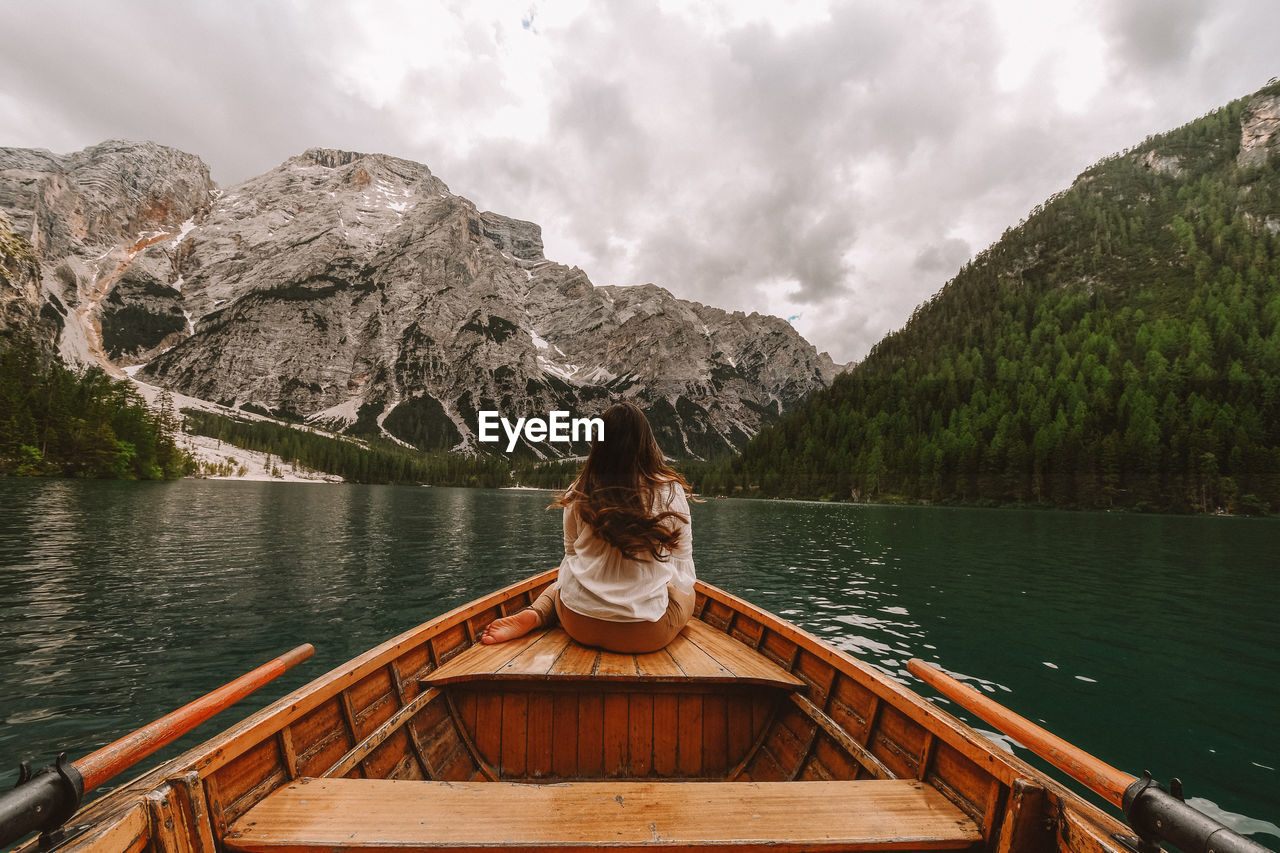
(387, 815)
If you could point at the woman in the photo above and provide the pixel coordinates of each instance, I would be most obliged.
(626, 581)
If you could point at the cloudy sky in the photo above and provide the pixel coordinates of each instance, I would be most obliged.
(833, 163)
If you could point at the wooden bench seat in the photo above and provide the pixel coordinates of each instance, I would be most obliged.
(699, 654)
(390, 815)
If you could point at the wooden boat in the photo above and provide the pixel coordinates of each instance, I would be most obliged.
(746, 732)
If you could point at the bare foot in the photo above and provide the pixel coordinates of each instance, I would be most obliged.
(510, 627)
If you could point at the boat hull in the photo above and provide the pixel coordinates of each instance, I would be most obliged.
(774, 705)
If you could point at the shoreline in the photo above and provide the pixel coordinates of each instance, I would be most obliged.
(294, 475)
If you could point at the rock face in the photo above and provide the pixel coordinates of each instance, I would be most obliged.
(356, 291)
(1259, 130)
(24, 321)
(91, 217)
(1163, 164)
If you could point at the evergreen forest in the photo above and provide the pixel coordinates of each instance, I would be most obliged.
(56, 422)
(1118, 348)
(355, 460)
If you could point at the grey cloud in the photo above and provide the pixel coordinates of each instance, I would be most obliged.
(201, 78)
(787, 121)
(1182, 58)
(945, 256)
(1155, 33)
(861, 159)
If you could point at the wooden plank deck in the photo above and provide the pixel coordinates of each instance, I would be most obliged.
(391, 815)
(699, 654)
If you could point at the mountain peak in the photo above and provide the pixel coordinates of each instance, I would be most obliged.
(129, 146)
(333, 158)
(354, 290)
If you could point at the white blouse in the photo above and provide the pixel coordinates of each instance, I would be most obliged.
(597, 580)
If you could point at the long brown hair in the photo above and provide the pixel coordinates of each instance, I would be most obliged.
(615, 491)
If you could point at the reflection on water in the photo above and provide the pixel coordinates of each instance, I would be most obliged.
(1149, 641)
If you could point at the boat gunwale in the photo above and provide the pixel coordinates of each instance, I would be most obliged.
(933, 719)
(212, 754)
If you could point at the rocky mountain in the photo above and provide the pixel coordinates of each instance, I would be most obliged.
(93, 220)
(357, 292)
(24, 320)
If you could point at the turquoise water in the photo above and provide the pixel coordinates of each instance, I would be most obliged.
(1150, 641)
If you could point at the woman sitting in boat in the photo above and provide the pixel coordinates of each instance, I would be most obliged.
(626, 580)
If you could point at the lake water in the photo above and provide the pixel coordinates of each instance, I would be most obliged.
(1151, 641)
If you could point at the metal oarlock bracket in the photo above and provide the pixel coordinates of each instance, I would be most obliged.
(1140, 843)
(1159, 816)
(73, 794)
(43, 801)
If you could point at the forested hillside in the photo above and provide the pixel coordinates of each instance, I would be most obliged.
(358, 461)
(56, 422)
(1121, 347)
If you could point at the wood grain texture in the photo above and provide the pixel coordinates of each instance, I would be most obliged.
(613, 663)
(564, 745)
(487, 734)
(515, 734)
(640, 722)
(689, 735)
(541, 733)
(128, 832)
(658, 664)
(481, 659)
(168, 835)
(616, 735)
(540, 656)
(576, 661)
(590, 735)
(591, 732)
(743, 661)
(665, 718)
(1025, 829)
(695, 662)
(195, 809)
(715, 735)
(339, 814)
(739, 734)
(319, 739)
(699, 653)
(249, 778)
(376, 738)
(842, 738)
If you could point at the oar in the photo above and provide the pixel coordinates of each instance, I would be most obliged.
(1094, 773)
(1154, 813)
(46, 800)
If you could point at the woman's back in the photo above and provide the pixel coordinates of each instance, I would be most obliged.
(597, 579)
(626, 579)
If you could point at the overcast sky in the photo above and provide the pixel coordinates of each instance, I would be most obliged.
(832, 163)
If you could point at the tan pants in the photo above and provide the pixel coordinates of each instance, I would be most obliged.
(625, 637)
